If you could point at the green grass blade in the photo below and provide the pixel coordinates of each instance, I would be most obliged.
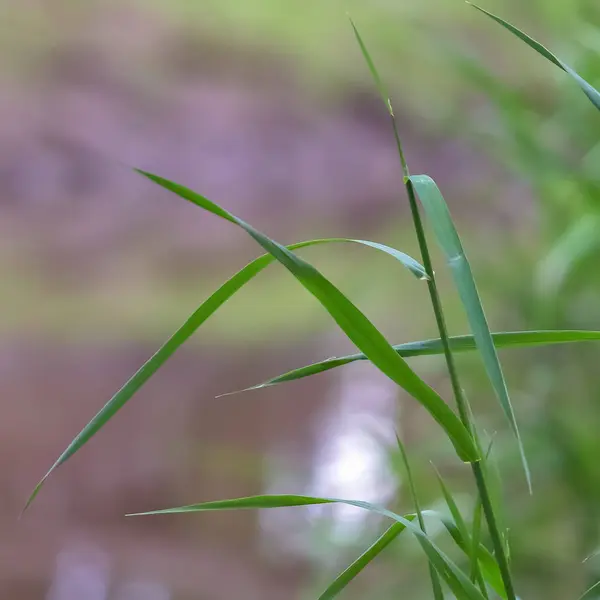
(470, 544)
(463, 343)
(438, 594)
(346, 576)
(208, 308)
(591, 92)
(437, 211)
(374, 73)
(458, 582)
(591, 593)
(350, 319)
(489, 567)
(453, 507)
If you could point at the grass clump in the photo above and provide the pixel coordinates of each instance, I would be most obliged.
(488, 570)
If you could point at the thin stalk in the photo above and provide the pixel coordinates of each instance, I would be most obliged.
(461, 401)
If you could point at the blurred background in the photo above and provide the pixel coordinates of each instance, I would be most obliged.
(266, 107)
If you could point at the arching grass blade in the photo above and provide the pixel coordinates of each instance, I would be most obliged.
(458, 581)
(350, 319)
(591, 92)
(463, 343)
(206, 309)
(437, 211)
(591, 593)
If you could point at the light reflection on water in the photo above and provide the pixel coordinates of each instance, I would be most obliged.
(348, 461)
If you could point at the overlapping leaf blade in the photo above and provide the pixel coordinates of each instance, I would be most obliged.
(591, 92)
(458, 582)
(463, 343)
(438, 214)
(350, 319)
(206, 309)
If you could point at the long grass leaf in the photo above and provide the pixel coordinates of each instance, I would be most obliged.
(348, 574)
(591, 92)
(350, 319)
(206, 309)
(463, 343)
(458, 582)
(437, 211)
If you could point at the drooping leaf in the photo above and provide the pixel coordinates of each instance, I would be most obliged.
(206, 309)
(438, 214)
(458, 582)
(350, 319)
(591, 92)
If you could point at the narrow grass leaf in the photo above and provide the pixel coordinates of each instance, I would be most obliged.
(591, 593)
(350, 319)
(458, 581)
(435, 582)
(489, 567)
(206, 309)
(463, 343)
(437, 211)
(374, 73)
(591, 92)
(346, 576)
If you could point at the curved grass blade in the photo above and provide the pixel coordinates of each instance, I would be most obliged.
(347, 575)
(458, 582)
(463, 343)
(437, 211)
(591, 92)
(215, 301)
(350, 319)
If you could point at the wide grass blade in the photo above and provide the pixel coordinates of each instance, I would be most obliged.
(458, 582)
(443, 226)
(347, 575)
(463, 343)
(591, 92)
(350, 319)
(208, 308)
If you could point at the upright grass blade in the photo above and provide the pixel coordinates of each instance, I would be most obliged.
(438, 594)
(437, 211)
(458, 582)
(463, 343)
(591, 92)
(207, 308)
(347, 575)
(470, 544)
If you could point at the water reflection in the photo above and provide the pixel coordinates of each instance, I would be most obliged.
(348, 461)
